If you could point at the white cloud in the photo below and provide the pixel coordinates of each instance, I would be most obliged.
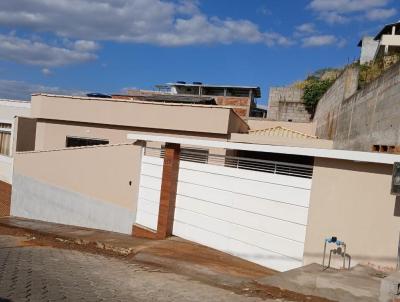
(381, 14)
(188, 7)
(139, 21)
(333, 18)
(305, 29)
(342, 11)
(319, 40)
(84, 45)
(37, 53)
(272, 39)
(346, 6)
(19, 90)
(46, 71)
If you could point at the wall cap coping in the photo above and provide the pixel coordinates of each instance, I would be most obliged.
(358, 156)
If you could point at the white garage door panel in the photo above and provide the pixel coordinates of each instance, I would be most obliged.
(253, 237)
(150, 207)
(203, 222)
(151, 170)
(152, 160)
(244, 202)
(298, 196)
(248, 174)
(147, 219)
(149, 192)
(150, 182)
(284, 246)
(263, 257)
(235, 247)
(251, 220)
(258, 216)
(201, 236)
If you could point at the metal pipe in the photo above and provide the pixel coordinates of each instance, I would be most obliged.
(344, 255)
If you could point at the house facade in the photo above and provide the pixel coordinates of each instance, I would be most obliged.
(157, 170)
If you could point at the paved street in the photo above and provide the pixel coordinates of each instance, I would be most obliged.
(38, 273)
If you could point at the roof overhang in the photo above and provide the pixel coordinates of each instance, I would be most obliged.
(357, 156)
(386, 29)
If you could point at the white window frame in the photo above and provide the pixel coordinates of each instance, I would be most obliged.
(11, 131)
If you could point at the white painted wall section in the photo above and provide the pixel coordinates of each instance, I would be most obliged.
(38, 200)
(149, 192)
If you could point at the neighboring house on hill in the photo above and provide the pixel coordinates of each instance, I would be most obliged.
(369, 48)
(8, 110)
(385, 43)
(151, 96)
(240, 98)
(389, 39)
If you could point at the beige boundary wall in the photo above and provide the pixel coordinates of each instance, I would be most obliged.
(94, 187)
(352, 200)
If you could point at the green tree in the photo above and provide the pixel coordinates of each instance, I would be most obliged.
(314, 89)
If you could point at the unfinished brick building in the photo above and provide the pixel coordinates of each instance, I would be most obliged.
(240, 98)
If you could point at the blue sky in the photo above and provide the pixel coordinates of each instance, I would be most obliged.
(75, 46)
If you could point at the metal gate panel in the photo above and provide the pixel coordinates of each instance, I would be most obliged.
(149, 192)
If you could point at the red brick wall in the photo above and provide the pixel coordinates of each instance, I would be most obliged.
(5, 199)
(233, 101)
(168, 190)
(241, 105)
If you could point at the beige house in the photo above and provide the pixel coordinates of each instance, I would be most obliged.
(76, 149)
(64, 121)
(195, 171)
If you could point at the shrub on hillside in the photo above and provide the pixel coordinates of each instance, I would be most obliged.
(314, 89)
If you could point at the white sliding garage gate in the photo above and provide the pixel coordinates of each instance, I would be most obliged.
(260, 216)
(149, 191)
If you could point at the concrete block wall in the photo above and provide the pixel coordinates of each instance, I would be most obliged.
(371, 117)
(286, 104)
(359, 120)
(326, 114)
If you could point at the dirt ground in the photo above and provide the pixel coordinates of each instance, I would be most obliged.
(250, 289)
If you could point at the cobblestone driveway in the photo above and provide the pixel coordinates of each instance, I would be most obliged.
(48, 274)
